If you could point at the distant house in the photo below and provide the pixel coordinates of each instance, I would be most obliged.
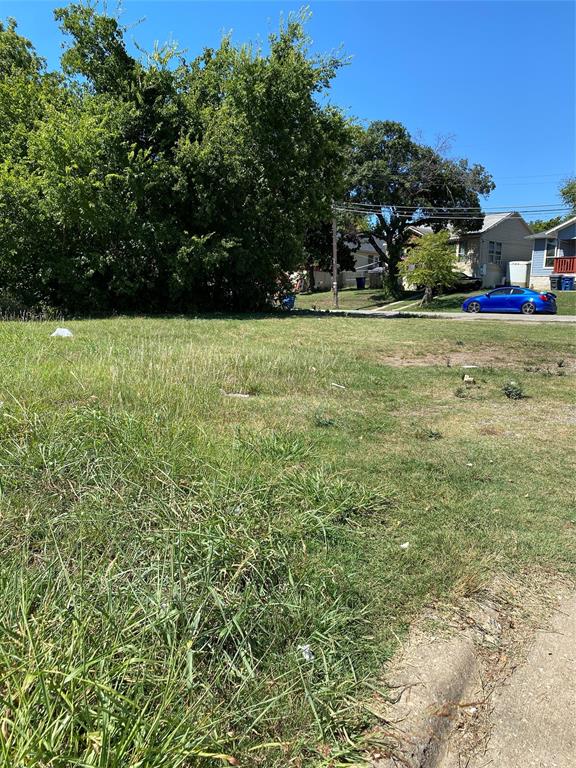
(365, 258)
(553, 253)
(486, 253)
(420, 231)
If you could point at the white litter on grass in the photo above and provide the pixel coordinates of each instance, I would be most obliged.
(405, 545)
(306, 652)
(469, 464)
(62, 332)
(469, 366)
(236, 394)
(338, 386)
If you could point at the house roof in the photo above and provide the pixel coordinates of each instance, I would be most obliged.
(491, 220)
(552, 231)
(421, 230)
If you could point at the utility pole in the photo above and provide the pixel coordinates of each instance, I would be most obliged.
(334, 262)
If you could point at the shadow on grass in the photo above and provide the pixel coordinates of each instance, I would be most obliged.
(451, 302)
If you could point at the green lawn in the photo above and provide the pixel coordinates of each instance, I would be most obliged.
(202, 522)
(349, 298)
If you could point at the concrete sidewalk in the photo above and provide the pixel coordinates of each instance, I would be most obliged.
(533, 720)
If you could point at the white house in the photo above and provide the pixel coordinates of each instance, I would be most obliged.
(487, 252)
(553, 254)
(365, 258)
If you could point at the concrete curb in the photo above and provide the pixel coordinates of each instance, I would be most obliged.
(444, 686)
(435, 679)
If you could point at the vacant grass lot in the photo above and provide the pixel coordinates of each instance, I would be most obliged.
(202, 520)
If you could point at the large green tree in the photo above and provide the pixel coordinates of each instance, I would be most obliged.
(159, 183)
(409, 184)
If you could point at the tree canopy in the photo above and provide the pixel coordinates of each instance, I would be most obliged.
(156, 182)
(411, 184)
(568, 193)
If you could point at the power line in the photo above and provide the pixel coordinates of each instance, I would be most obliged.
(456, 216)
(536, 175)
(522, 183)
(440, 213)
(527, 206)
(424, 221)
(565, 174)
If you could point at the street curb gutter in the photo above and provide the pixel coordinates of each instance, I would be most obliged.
(435, 680)
(443, 687)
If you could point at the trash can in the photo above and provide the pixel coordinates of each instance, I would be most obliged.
(567, 283)
(555, 282)
(360, 283)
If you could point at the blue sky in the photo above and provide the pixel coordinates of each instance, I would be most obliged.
(498, 77)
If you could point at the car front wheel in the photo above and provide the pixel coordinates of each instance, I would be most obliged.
(528, 308)
(474, 306)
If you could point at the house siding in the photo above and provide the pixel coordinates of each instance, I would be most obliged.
(538, 253)
(566, 247)
(511, 232)
(567, 233)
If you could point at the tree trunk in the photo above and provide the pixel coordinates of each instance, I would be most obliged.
(311, 278)
(392, 282)
(379, 252)
(428, 295)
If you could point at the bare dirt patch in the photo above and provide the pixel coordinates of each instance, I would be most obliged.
(482, 358)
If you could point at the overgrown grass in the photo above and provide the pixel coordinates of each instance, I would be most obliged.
(169, 550)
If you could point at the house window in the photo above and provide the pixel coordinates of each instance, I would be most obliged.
(494, 252)
(550, 253)
(463, 249)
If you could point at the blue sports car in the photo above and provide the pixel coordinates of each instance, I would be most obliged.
(512, 299)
